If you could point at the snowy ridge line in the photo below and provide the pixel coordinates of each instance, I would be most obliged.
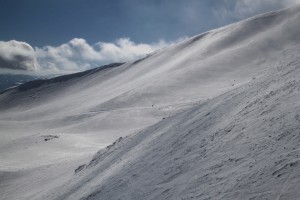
(39, 82)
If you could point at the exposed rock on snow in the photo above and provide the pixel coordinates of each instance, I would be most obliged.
(49, 137)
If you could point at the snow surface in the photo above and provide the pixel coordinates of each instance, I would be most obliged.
(213, 117)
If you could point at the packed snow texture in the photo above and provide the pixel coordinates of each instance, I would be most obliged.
(213, 117)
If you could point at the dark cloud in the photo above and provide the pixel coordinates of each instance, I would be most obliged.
(17, 55)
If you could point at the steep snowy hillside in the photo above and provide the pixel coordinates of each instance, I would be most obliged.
(213, 117)
(244, 144)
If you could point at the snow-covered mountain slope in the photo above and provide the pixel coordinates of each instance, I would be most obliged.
(244, 144)
(221, 147)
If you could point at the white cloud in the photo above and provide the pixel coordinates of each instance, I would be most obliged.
(239, 9)
(17, 55)
(77, 54)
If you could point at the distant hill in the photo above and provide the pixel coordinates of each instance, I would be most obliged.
(10, 80)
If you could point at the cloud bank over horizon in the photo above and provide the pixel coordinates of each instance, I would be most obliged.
(75, 55)
(78, 54)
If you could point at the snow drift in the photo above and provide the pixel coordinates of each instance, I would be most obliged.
(213, 117)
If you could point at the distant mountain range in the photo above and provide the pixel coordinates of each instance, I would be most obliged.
(10, 80)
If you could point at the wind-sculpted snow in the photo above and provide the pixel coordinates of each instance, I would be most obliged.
(241, 145)
(213, 117)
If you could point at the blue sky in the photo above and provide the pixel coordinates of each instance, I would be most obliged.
(46, 25)
(53, 22)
